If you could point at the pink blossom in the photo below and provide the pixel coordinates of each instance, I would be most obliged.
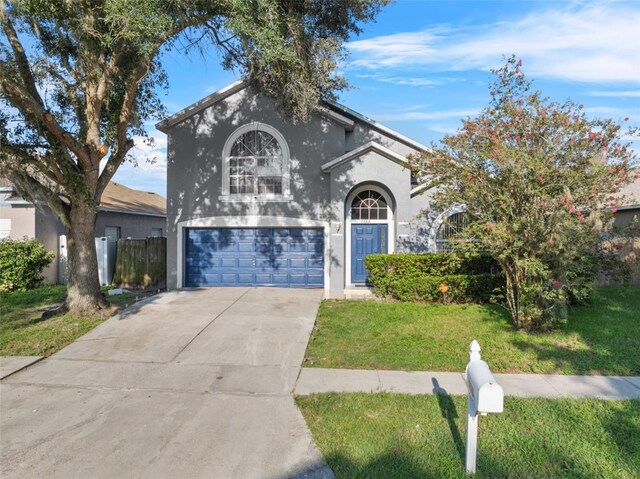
(614, 210)
(626, 118)
(540, 179)
(489, 225)
(519, 63)
(592, 135)
(556, 283)
(581, 218)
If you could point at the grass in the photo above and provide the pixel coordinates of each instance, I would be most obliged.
(23, 331)
(600, 338)
(398, 436)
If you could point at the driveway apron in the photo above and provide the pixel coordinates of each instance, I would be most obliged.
(193, 383)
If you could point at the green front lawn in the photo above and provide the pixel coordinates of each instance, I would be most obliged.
(23, 331)
(600, 338)
(398, 436)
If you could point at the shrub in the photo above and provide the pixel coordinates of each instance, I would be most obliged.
(22, 262)
(469, 277)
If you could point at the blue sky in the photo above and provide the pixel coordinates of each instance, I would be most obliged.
(423, 65)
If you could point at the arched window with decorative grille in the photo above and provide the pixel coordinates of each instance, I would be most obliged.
(256, 163)
(449, 229)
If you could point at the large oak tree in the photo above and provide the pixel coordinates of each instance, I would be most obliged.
(78, 79)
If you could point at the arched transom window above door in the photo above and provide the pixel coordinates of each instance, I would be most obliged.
(256, 164)
(369, 205)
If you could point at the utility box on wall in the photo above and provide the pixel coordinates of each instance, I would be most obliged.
(106, 252)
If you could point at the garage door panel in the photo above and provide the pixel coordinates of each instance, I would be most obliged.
(298, 279)
(297, 263)
(315, 278)
(244, 262)
(245, 246)
(228, 278)
(280, 278)
(228, 262)
(254, 256)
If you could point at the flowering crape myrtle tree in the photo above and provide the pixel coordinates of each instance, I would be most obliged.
(541, 183)
(79, 79)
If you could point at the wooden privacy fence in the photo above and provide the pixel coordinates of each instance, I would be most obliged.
(629, 252)
(141, 263)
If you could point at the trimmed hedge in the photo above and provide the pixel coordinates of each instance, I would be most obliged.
(470, 277)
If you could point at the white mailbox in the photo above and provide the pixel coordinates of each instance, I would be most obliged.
(485, 396)
(487, 393)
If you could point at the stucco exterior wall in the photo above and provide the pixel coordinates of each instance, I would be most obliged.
(131, 225)
(22, 220)
(363, 133)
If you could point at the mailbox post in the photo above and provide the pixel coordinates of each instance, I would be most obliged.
(485, 396)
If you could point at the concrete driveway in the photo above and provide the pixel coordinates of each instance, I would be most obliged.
(189, 384)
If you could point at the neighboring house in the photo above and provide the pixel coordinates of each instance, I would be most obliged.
(123, 213)
(630, 207)
(256, 200)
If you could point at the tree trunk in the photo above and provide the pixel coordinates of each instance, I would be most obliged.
(84, 297)
(514, 277)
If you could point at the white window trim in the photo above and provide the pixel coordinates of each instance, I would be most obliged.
(390, 222)
(253, 222)
(432, 244)
(286, 173)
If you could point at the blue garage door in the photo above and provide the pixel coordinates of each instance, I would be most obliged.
(287, 257)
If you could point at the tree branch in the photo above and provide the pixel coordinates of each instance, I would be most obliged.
(21, 58)
(27, 103)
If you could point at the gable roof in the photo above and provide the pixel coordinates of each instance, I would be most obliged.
(116, 198)
(361, 150)
(334, 110)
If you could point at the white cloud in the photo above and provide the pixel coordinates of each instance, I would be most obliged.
(421, 115)
(614, 112)
(444, 128)
(577, 42)
(616, 94)
(412, 80)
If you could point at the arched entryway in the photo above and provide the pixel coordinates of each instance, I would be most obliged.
(369, 229)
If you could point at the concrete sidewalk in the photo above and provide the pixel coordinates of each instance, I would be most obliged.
(317, 380)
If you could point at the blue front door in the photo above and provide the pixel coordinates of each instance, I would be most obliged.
(366, 239)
